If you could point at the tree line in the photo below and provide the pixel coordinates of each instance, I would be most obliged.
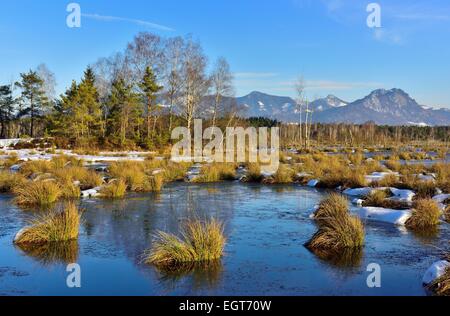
(131, 99)
(134, 98)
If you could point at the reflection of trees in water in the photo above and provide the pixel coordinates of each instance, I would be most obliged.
(129, 225)
(52, 252)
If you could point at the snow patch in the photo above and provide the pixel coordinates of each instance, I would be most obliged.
(313, 183)
(384, 215)
(434, 272)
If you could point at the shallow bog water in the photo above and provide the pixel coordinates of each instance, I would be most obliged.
(266, 227)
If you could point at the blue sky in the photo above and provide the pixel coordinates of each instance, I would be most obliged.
(268, 43)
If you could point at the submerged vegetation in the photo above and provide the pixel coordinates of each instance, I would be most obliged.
(54, 226)
(201, 242)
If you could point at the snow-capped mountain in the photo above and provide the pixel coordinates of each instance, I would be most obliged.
(284, 109)
(384, 107)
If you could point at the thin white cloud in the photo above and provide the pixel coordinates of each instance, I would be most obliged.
(107, 18)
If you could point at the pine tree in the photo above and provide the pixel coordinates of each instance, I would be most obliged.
(150, 88)
(33, 101)
(125, 114)
(88, 111)
(7, 104)
(67, 120)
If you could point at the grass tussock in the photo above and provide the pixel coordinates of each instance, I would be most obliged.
(343, 177)
(200, 242)
(37, 193)
(333, 205)
(156, 183)
(254, 173)
(176, 171)
(55, 226)
(425, 215)
(116, 189)
(390, 180)
(283, 175)
(339, 232)
(337, 228)
(88, 179)
(10, 180)
(380, 198)
(70, 191)
(31, 168)
(217, 172)
(132, 173)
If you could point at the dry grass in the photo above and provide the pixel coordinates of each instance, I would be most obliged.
(425, 215)
(116, 189)
(88, 179)
(345, 177)
(132, 173)
(200, 242)
(333, 205)
(10, 180)
(390, 180)
(176, 171)
(380, 198)
(12, 159)
(37, 193)
(254, 173)
(340, 232)
(30, 168)
(55, 226)
(70, 191)
(284, 174)
(217, 172)
(393, 164)
(62, 161)
(156, 183)
(337, 228)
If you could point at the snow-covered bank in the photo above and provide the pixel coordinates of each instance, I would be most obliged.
(434, 272)
(384, 215)
(12, 142)
(33, 155)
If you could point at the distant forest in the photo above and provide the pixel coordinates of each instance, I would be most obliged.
(134, 98)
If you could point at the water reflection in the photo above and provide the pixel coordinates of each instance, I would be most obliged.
(200, 275)
(426, 236)
(344, 258)
(52, 252)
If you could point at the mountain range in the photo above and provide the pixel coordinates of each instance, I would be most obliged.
(383, 107)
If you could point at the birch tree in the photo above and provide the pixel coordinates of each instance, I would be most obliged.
(195, 81)
(222, 85)
(173, 80)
